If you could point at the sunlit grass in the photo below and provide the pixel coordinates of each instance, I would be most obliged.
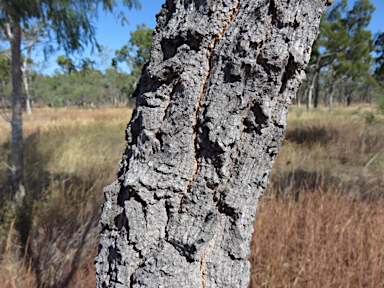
(320, 223)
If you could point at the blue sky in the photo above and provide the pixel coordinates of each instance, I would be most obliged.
(110, 32)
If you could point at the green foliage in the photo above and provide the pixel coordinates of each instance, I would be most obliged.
(379, 71)
(348, 40)
(342, 55)
(66, 64)
(5, 65)
(136, 52)
(85, 86)
(369, 118)
(5, 74)
(380, 103)
(67, 22)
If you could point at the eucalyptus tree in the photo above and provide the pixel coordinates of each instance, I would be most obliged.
(355, 61)
(69, 24)
(210, 115)
(328, 47)
(343, 48)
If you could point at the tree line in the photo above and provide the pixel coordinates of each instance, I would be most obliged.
(346, 65)
(89, 82)
(343, 66)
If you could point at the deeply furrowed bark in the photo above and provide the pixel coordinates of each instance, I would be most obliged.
(210, 116)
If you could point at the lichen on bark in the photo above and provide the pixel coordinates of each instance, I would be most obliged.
(209, 119)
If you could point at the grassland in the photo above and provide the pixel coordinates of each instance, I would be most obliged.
(320, 223)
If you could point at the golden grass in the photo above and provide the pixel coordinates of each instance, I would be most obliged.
(320, 223)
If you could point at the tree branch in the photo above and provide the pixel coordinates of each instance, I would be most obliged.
(5, 116)
(8, 28)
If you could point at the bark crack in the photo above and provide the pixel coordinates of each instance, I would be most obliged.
(272, 13)
(203, 88)
(211, 243)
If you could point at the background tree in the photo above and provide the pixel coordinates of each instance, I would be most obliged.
(136, 53)
(5, 76)
(69, 23)
(379, 71)
(210, 116)
(66, 64)
(342, 50)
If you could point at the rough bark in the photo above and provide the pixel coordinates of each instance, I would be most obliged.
(17, 117)
(210, 115)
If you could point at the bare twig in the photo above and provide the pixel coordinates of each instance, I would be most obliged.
(5, 116)
(6, 165)
(373, 158)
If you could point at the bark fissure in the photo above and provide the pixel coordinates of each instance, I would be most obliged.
(251, 102)
(208, 71)
(210, 116)
(210, 244)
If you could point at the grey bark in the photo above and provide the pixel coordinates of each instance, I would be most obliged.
(210, 115)
(17, 116)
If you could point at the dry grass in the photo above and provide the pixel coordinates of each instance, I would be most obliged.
(70, 155)
(322, 240)
(320, 223)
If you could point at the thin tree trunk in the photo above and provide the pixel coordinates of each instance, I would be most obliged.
(298, 100)
(310, 90)
(317, 91)
(349, 99)
(331, 94)
(210, 115)
(17, 118)
(370, 96)
(26, 86)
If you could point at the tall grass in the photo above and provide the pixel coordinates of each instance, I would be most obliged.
(320, 223)
(70, 155)
(321, 240)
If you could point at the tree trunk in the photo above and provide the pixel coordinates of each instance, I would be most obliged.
(370, 96)
(317, 91)
(331, 94)
(298, 100)
(26, 86)
(210, 115)
(17, 119)
(310, 90)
